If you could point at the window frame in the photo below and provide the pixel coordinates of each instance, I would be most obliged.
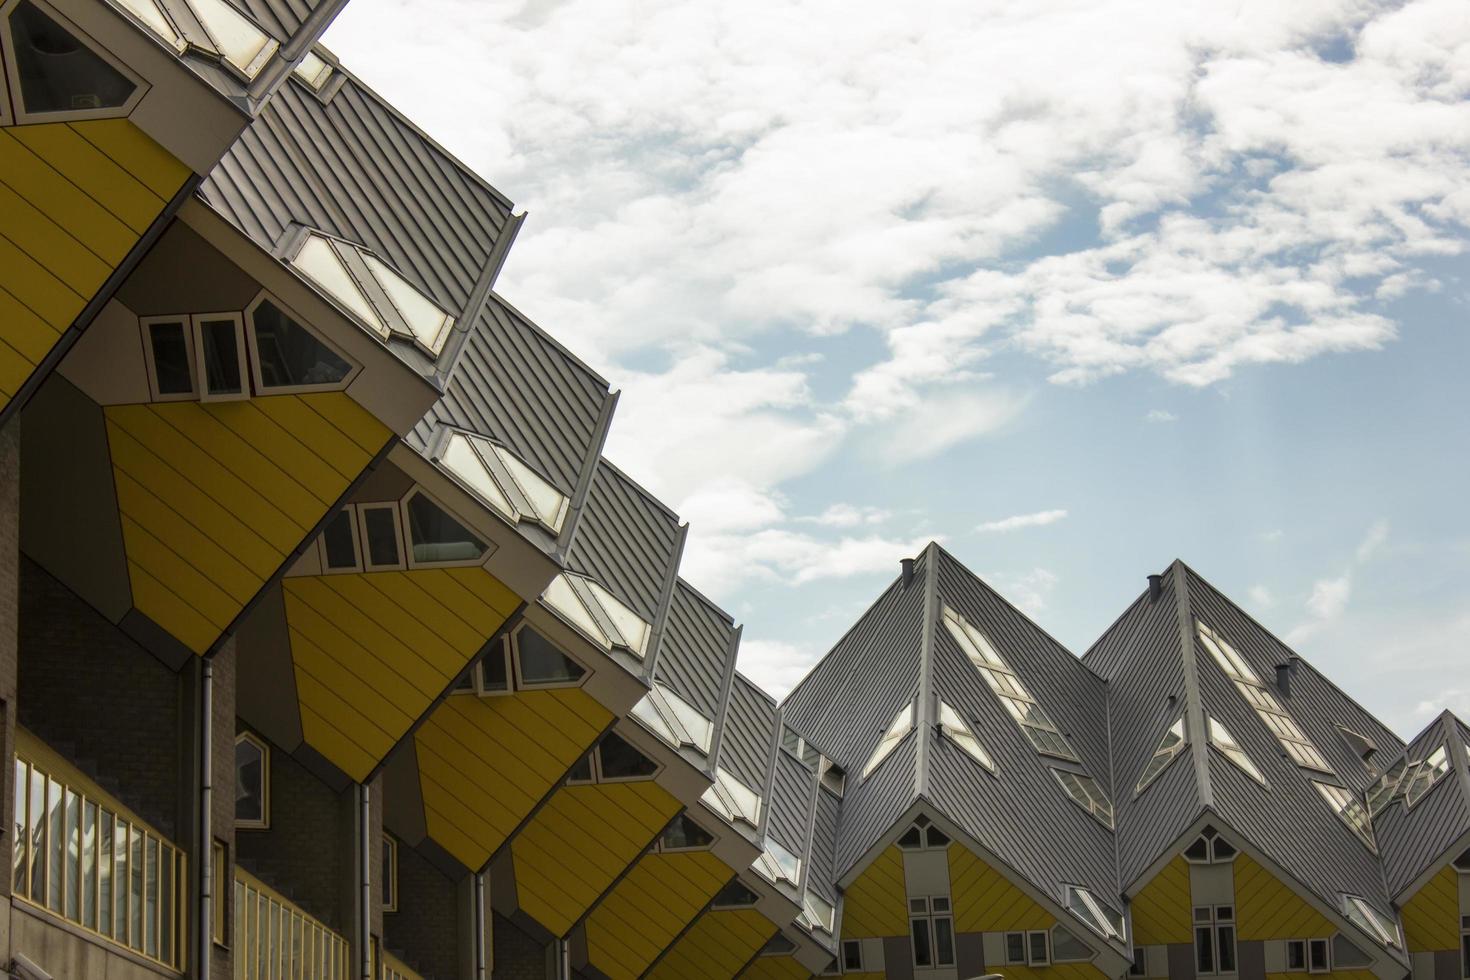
(356, 531)
(1150, 774)
(931, 917)
(390, 873)
(362, 536)
(905, 718)
(1095, 801)
(418, 490)
(1091, 953)
(516, 675)
(594, 757)
(265, 782)
(1045, 958)
(354, 367)
(18, 114)
(849, 947)
(1212, 924)
(1438, 772)
(1326, 946)
(219, 914)
(1301, 946)
(145, 323)
(196, 328)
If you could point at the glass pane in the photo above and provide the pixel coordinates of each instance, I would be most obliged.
(55, 846)
(428, 323)
(685, 833)
(1227, 948)
(149, 13)
(318, 260)
(1038, 952)
(549, 503)
(135, 888)
(166, 912)
(20, 879)
(390, 858)
(249, 782)
(58, 73)
(290, 356)
(221, 357)
(171, 358)
(297, 961)
(120, 882)
(923, 953)
(240, 42)
(465, 463)
(438, 537)
(381, 533)
(943, 943)
(1015, 947)
(313, 70)
(89, 865)
(150, 897)
(339, 542)
(493, 676)
(1204, 948)
(581, 770)
(543, 663)
(621, 761)
(105, 862)
(73, 855)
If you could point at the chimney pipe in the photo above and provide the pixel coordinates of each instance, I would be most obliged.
(1283, 678)
(908, 572)
(1155, 587)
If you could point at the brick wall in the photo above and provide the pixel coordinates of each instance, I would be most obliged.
(99, 699)
(223, 811)
(517, 955)
(9, 619)
(424, 931)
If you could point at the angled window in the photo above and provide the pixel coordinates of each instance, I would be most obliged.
(1225, 743)
(923, 835)
(902, 724)
(1347, 955)
(778, 864)
(372, 291)
(168, 346)
(817, 913)
(435, 538)
(684, 834)
(313, 70)
(1426, 775)
(252, 782)
(1169, 748)
(674, 720)
(240, 44)
(797, 747)
(619, 761)
(1462, 863)
(1101, 918)
(219, 343)
(733, 800)
(1385, 791)
(339, 547)
(156, 20)
(1210, 848)
(597, 613)
(778, 945)
(1067, 948)
(1374, 923)
(500, 479)
(1086, 793)
(495, 672)
(287, 357)
(735, 895)
(1296, 956)
(389, 886)
(381, 536)
(832, 778)
(56, 73)
(1359, 745)
(1037, 725)
(539, 663)
(958, 732)
(1319, 956)
(1350, 810)
(1270, 709)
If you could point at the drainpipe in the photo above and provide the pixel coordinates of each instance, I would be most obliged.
(480, 926)
(365, 910)
(204, 745)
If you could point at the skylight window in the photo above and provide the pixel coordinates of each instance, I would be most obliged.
(731, 799)
(500, 479)
(1100, 918)
(817, 913)
(1350, 810)
(372, 291)
(1086, 793)
(1226, 744)
(239, 43)
(1429, 772)
(1370, 920)
(597, 613)
(1043, 734)
(1297, 745)
(799, 748)
(778, 864)
(1169, 748)
(153, 17)
(313, 70)
(958, 732)
(1383, 793)
(902, 724)
(675, 720)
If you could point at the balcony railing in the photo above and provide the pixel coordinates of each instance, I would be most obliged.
(393, 969)
(275, 940)
(82, 859)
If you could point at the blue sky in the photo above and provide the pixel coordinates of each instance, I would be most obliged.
(1074, 287)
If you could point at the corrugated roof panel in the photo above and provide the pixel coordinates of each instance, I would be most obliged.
(626, 540)
(791, 797)
(696, 649)
(871, 806)
(823, 876)
(745, 747)
(1413, 840)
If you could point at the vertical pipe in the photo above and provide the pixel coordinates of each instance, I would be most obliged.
(480, 926)
(365, 912)
(205, 747)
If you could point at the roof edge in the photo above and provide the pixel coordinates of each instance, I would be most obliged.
(1194, 708)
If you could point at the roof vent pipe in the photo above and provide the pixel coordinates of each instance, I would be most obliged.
(1155, 587)
(1284, 673)
(908, 572)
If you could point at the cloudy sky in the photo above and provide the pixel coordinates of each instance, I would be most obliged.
(1075, 287)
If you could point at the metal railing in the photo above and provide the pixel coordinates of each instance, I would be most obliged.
(275, 940)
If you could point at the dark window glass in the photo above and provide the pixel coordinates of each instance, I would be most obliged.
(1198, 851)
(381, 533)
(734, 895)
(852, 955)
(1296, 955)
(249, 782)
(1224, 850)
(493, 676)
(221, 357)
(1317, 950)
(390, 858)
(1039, 952)
(58, 73)
(171, 358)
(621, 761)
(1138, 967)
(790, 741)
(1204, 950)
(290, 357)
(1015, 947)
(438, 537)
(1226, 936)
(937, 837)
(912, 839)
(943, 942)
(810, 757)
(1465, 955)
(543, 663)
(778, 944)
(581, 771)
(337, 537)
(685, 833)
(923, 953)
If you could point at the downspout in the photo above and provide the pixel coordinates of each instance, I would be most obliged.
(204, 745)
(365, 856)
(480, 926)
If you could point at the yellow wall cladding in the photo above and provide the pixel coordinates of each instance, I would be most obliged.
(214, 496)
(659, 897)
(484, 763)
(876, 904)
(986, 901)
(717, 947)
(777, 968)
(1057, 971)
(578, 844)
(1161, 911)
(1265, 908)
(1334, 975)
(74, 200)
(1432, 916)
(372, 651)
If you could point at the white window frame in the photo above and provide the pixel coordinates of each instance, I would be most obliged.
(659, 847)
(1212, 923)
(1300, 944)
(265, 783)
(1371, 921)
(1465, 946)
(1223, 742)
(954, 726)
(362, 532)
(921, 909)
(356, 531)
(1102, 922)
(145, 323)
(1025, 949)
(1097, 805)
(720, 799)
(515, 677)
(417, 491)
(196, 329)
(769, 863)
(850, 946)
(1091, 953)
(390, 872)
(1326, 946)
(354, 367)
(1347, 806)
(893, 736)
(599, 779)
(1437, 771)
(1031, 958)
(1153, 770)
(20, 114)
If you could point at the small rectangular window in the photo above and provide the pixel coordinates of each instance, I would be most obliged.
(219, 345)
(1465, 955)
(1296, 956)
(390, 873)
(923, 949)
(169, 355)
(220, 865)
(339, 551)
(1139, 966)
(1038, 948)
(1204, 950)
(852, 954)
(1319, 956)
(943, 941)
(494, 674)
(1015, 949)
(381, 537)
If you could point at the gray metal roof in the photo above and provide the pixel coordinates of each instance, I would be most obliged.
(748, 734)
(791, 798)
(822, 857)
(1416, 839)
(698, 648)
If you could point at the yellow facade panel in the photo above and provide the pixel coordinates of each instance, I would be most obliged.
(986, 901)
(1161, 910)
(43, 293)
(134, 151)
(648, 908)
(32, 177)
(33, 231)
(1432, 915)
(1265, 908)
(717, 947)
(62, 146)
(777, 968)
(875, 904)
(1057, 971)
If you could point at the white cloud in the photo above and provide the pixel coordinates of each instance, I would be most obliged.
(1330, 596)
(1160, 415)
(942, 421)
(1039, 519)
(774, 665)
(716, 562)
(1261, 597)
(1273, 535)
(1029, 591)
(1375, 538)
(1456, 699)
(848, 515)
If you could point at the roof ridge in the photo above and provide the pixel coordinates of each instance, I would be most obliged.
(700, 597)
(925, 710)
(639, 488)
(1194, 706)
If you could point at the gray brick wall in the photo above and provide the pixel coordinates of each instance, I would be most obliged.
(517, 955)
(9, 619)
(424, 931)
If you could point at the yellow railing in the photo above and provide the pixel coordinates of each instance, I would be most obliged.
(275, 940)
(393, 969)
(80, 858)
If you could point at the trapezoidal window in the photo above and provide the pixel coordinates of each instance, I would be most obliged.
(503, 481)
(219, 346)
(435, 537)
(288, 357)
(683, 834)
(735, 895)
(540, 663)
(902, 724)
(1169, 748)
(56, 73)
(674, 720)
(732, 799)
(168, 346)
(597, 613)
(252, 782)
